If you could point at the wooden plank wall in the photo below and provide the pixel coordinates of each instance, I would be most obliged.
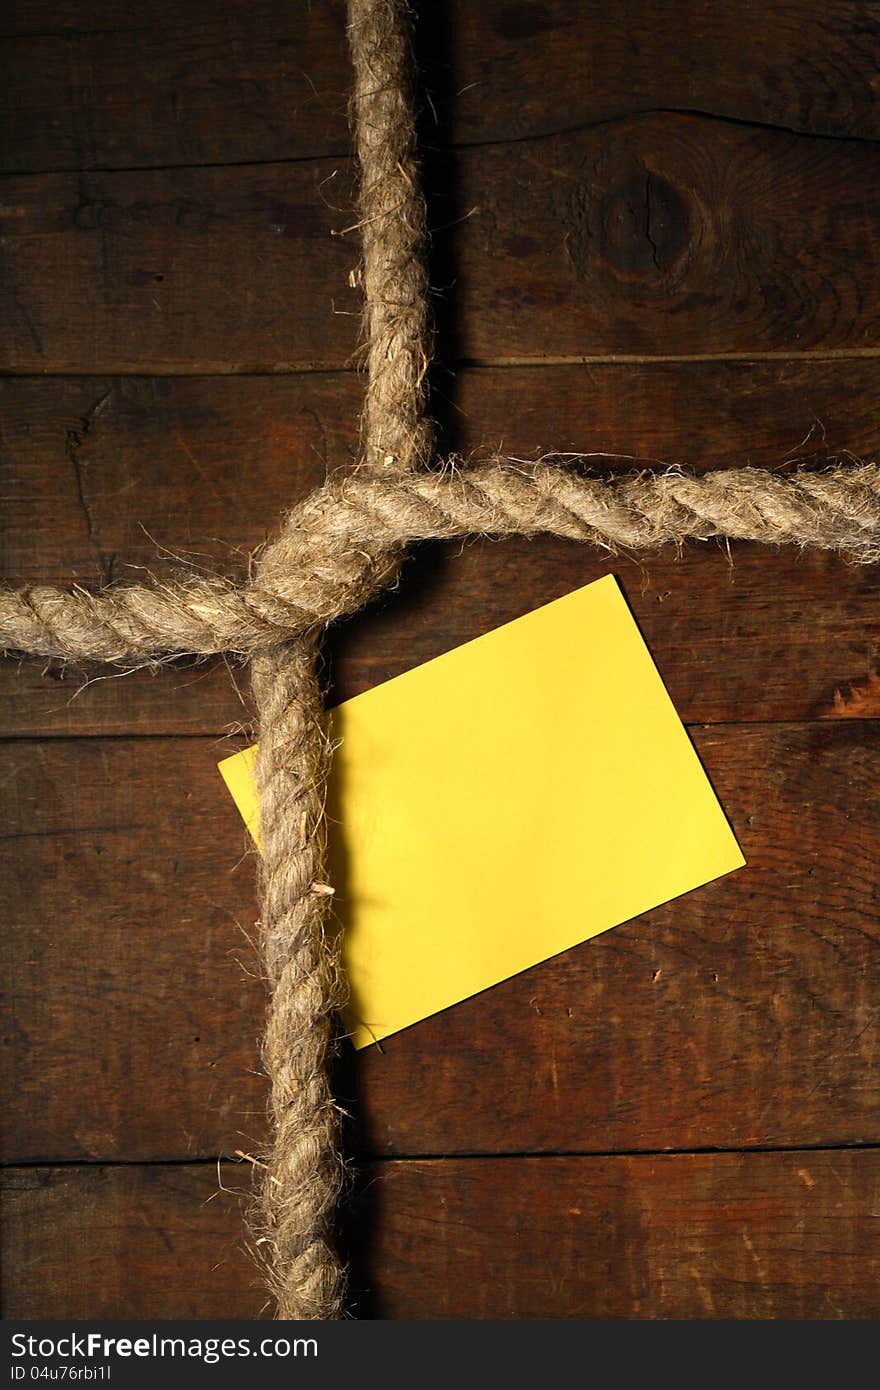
(654, 236)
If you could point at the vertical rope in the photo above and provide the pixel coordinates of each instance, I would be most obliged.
(303, 1176)
(396, 436)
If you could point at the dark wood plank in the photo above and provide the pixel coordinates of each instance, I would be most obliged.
(793, 63)
(101, 476)
(174, 84)
(108, 478)
(742, 1014)
(128, 1243)
(711, 1236)
(164, 272)
(664, 235)
(107, 853)
(105, 85)
(687, 1236)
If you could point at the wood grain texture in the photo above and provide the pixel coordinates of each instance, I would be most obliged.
(106, 478)
(658, 236)
(131, 1242)
(652, 183)
(667, 234)
(103, 85)
(718, 1236)
(172, 84)
(687, 1236)
(742, 1014)
(195, 269)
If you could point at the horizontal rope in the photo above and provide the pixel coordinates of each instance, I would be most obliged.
(343, 543)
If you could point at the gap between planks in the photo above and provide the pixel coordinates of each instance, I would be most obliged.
(189, 1161)
(225, 736)
(220, 369)
(449, 147)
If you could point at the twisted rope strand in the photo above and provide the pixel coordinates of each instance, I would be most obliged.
(304, 1173)
(396, 436)
(343, 544)
(300, 1184)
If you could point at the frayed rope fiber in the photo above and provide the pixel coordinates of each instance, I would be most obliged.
(335, 551)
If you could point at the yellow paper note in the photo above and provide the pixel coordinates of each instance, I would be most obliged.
(504, 802)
